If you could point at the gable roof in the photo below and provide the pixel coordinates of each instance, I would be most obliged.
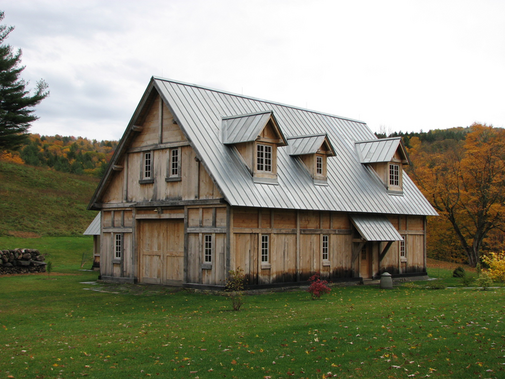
(199, 112)
(309, 144)
(247, 128)
(381, 150)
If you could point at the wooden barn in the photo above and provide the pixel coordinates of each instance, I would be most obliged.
(204, 181)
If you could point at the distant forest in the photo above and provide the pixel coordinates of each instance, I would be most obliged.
(74, 155)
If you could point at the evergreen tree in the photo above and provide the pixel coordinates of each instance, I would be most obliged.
(16, 102)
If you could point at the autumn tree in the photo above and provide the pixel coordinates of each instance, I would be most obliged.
(465, 182)
(16, 102)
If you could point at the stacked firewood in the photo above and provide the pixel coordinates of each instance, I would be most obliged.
(21, 261)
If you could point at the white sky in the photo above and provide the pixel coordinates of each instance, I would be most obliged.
(397, 65)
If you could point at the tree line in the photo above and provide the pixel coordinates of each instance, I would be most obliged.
(66, 154)
(461, 171)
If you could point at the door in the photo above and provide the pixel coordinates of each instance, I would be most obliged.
(366, 262)
(161, 251)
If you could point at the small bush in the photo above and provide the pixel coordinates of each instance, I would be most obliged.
(496, 263)
(317, 286)
(484, 281)
(436, 285)
(467, 280)
(459, 272)
(235, 287)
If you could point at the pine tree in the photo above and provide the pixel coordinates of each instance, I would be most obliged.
(16, 102)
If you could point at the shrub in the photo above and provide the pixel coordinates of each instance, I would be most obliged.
(496, 263)
(436, 285)
(484, 281)
(317, 286)
(467, 280)
(235, 288)
(459, 272)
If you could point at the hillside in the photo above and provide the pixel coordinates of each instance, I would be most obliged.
(42, 202)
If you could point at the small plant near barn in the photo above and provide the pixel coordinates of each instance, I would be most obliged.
(496, 263)
(49, 268)
(484, 281)
(459, 272)
(235, 288)
(317, 286)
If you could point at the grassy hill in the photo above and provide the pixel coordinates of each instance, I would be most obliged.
(37, 201)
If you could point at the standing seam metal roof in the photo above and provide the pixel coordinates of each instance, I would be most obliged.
(200, 111)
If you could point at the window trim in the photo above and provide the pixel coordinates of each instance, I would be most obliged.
(394, 175)
(319, 165)
(266, 161)
(402, 248)
(118, 247)
(265, 251)
(147, 171)
(325, 249)
(171, 177)
(208, 251)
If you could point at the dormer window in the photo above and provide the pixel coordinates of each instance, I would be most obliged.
(319, 165)
(313, 151)
(256, 137)
(264, 158)
(394, 174)
(386, 157)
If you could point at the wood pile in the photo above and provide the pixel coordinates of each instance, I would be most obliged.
(21, 261)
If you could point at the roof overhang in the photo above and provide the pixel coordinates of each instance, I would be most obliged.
(375, 228)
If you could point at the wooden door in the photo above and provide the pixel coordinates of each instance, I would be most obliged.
(161, 251)
(366, 262)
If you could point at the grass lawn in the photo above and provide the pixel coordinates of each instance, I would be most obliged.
(60, 327)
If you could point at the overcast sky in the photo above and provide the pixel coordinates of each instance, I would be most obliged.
(397, 65)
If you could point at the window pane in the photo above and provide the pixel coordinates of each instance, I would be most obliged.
(174, 163)
(325, 247)
(207, 252)
(319, 165)
(147, 165)
(264, 249)
(118, 246)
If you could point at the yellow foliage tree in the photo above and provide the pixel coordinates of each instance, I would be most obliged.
(465, 183)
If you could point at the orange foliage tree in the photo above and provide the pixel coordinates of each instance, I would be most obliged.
(465, 182)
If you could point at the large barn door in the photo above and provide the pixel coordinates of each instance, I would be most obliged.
(161, 251)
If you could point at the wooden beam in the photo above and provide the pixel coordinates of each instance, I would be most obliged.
(356, 250)
(385, 250)
(137, 128)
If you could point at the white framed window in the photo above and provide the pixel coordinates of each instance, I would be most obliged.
(207, 248)
(319, 165)
(324, 248)
(364, 253)
(264, 158)
(174, 164)
(403, 251)
(265, 248)
(148, 165)
(118, 246)
(394, 174)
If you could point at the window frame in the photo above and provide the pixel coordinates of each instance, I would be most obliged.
(171, 176)
(147, 167)
(208, 249)
(319, 165)
(394, 175)
(325, 249)
(118, 246)
(265, 152)
(265, 249)
(402, 248)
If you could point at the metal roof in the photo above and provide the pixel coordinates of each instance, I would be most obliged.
(308, 144)
(244, 128)
(94, 228)
(375, 228)
(380, 150)
(200, 111)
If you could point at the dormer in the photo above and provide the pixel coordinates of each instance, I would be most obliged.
(386, 157)
(313, 150)
(256, 137)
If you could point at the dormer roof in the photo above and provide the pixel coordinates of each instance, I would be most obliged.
(248, 128)
(310, 144)
(381, 150)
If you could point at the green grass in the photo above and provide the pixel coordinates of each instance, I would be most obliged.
(59, 327)
(39, 201)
